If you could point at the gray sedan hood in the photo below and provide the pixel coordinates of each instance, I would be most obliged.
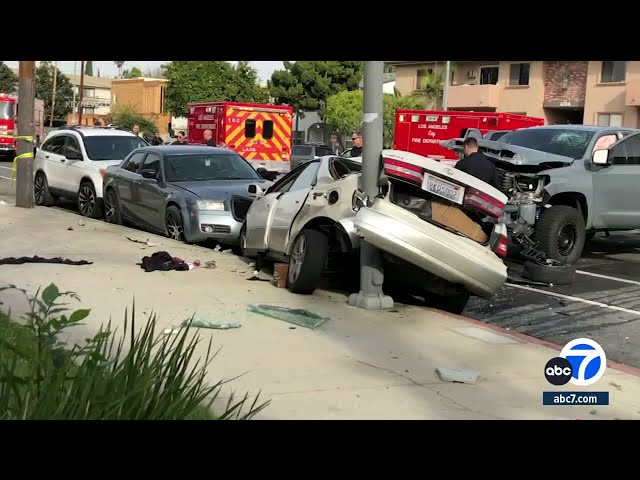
(513, 154)
(220, 189)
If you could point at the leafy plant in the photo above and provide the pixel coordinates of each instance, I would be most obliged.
(126, 116)
(44, 91)
(8, 79)
(140, 376)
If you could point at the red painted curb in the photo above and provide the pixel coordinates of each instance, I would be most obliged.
(529, 339)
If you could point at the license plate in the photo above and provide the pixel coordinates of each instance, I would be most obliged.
(442, 188)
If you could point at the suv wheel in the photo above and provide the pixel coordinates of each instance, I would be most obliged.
(112, 213)
(41, 191)
(88, 201)
(307, 261)
(561, 234)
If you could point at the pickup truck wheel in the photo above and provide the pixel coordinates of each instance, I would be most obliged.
(307, 261)
(242, 245)
(556, 274)
(452, 303)
(561, 234)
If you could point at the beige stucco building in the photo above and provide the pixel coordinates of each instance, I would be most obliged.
(146, 96)
(605, 93)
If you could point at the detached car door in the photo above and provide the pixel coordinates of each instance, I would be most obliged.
(288, 204)
(615, 186)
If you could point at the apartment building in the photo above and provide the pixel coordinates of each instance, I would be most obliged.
(146, 96)
(601, 93)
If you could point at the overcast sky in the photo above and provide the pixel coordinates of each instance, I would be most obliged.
(108, 69)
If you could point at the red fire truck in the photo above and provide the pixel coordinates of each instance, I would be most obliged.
(9, 122)
(260, 133)
(421, 131)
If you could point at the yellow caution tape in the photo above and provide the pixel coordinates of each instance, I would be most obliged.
(14, 168)
(27, 138)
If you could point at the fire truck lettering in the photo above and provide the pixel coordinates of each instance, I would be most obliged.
(416, 140)
(439, 127)
(422, 125)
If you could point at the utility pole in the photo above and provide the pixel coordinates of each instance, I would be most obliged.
(24, 159)
(80, 104)
(445, 92)
(53, 94)
(370, 296)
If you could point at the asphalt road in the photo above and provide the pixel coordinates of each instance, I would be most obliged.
(603, 303)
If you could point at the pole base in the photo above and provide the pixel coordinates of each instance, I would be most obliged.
(370, 301)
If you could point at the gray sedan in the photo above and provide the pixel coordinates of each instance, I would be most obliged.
(189, 193)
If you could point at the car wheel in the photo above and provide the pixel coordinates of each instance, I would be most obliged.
(41, 191)
(561, 234)
(174, 224)
(242, 245)
(453, 303)
(307, 261)
(112, 213)
(88, 201)
(555, 274)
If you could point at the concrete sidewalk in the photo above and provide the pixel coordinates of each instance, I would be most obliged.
(358, 365)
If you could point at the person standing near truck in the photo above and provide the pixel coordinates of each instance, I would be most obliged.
(208, 138)
(477, 163)
(356, 150)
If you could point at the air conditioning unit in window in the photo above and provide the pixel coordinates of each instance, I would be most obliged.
(472, 73)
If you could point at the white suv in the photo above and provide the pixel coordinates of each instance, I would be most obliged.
(72, 161)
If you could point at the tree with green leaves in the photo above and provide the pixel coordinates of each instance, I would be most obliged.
(44, 91)
(431, 88)
(344, 111)
(191, 82)
(126, 116)
(8, 79)
(88, 68)
(119, 64)
(135, 72)
(308, 85)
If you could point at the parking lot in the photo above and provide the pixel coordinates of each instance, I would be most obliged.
(603, 303)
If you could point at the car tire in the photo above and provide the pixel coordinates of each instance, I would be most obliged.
(88, 205)
(307, 261)
(561, 234)
(555, 274)
(242, 242)
(452, 303)
(41, 191)
(174, 224)
(112, 212)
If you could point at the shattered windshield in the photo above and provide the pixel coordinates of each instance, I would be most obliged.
(557, 141)
(208, 166)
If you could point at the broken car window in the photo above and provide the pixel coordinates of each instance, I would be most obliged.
(557, 141)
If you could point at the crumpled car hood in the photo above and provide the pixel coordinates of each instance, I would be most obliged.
(513, 154)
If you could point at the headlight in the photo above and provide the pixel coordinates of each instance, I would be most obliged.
(217, 206)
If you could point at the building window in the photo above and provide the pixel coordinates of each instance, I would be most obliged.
(421, 75)
(162, 94)
(610, 119)
(89, 110)
(89, 92)
(489, 75)
(613, 72)
(519, 74)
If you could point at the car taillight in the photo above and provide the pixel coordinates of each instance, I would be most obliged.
(103, 172)
(482, 201)
(404, 170)
(501, 249)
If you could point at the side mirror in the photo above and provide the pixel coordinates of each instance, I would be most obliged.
(149, 173)
(600, 157)
(256, 190)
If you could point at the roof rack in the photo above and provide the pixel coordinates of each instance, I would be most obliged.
(76, 127)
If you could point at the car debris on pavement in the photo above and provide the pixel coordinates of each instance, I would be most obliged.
(200, 322)
(296, 316)
(37, 259)
(458, 375)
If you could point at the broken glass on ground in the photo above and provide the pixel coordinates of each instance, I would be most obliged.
(296, 316)
(200, 322)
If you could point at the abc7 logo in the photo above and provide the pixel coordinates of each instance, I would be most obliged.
(581, 362)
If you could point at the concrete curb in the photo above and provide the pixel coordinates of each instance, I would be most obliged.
(529, 339)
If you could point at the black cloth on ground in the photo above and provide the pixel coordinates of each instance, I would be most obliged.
(37, 259)
(162, 261)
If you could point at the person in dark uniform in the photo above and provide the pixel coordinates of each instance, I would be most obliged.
(477, 163)
(181, 139)
(356, 150)
(208, 138)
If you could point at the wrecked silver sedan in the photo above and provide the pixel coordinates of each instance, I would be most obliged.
(430, 247)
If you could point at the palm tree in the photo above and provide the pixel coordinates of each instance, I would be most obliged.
(431, 88)
(119, 64)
